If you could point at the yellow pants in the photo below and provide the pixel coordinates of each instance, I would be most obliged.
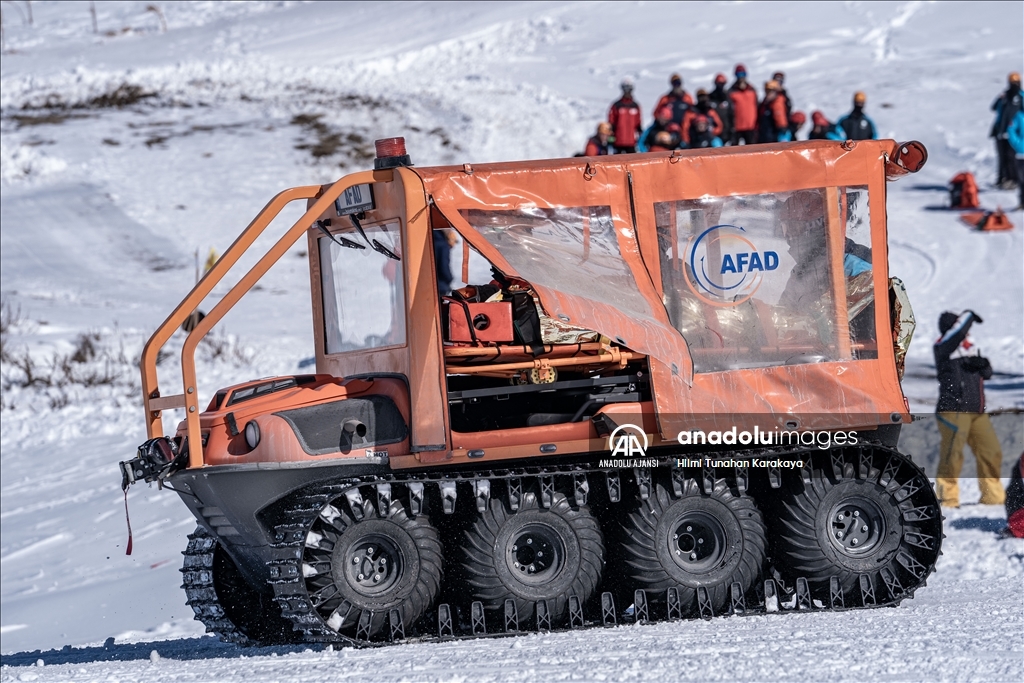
(974, 429)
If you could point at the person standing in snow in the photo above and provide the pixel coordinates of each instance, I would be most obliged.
(598, 145)
(856, 125)
(676, 99)
(960, 412)
(773, 122)
(444, 240)
(796, 121)
(1015, 136)
(780, 78)
(664, 134)
(626, 122)
(822, 128)
(720, 102)
(702, 126)
(1006, 108)
(744, 109)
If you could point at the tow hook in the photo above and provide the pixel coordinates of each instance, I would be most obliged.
(155, 460)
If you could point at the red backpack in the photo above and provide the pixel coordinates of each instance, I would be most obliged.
(963, 191)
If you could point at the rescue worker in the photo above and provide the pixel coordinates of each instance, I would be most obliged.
(624, 117)
(1015, 136)
(744, 109)
(960, 412)
(709, 131)
(780, 78)
(773, 123)
(444, 240)
(664, 134)
(1006, 107)
(796, 121)
(700, 131)
(822, 128)
(677, 99)
(720, 102)
(598, 145)
(856, 125)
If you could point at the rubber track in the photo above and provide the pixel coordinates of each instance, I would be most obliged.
(197, 575)
(291, 529)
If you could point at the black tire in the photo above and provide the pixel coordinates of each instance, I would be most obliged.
(698, 540)
(371, 566)
(533, 554)
(844, 526)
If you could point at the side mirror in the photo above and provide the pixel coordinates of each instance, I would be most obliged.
(906, 157)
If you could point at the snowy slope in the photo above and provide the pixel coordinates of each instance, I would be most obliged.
(123, 156)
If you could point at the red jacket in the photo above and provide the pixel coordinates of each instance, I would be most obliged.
(744, 108)
(595, 148)
(713, 117)
(626, 121)
(678, 104)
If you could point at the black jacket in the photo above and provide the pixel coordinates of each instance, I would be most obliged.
(1006, 107)
(961, 380)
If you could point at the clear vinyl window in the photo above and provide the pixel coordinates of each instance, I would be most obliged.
(363, 292)
(857, 270)
(750, 281)
(573, 250)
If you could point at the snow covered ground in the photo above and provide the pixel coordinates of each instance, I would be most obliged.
(127, 155)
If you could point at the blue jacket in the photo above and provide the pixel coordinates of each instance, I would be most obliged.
(1015, 133)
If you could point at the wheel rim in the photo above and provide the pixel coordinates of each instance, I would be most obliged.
(535, 554)
(373, 565)
(698, 542)
(856, 526)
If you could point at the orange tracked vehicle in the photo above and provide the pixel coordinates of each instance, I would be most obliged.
(673, 390)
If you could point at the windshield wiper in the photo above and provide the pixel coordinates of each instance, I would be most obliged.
(337, 239)
(377, 246)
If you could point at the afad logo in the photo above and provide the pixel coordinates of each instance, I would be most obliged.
(626, 440)
(726, 268)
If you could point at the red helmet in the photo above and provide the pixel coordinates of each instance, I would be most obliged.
(664, 113)
(720, 79)
(818, 119)
(740, 70)
(798, 118)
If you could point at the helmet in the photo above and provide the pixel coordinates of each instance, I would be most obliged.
(720, 79)
(627, 83)
(859, 98)
(664, 113)
(740, 71)
(779, 76)
(663, 138)
(1014, 78)
(772, 85)
(798, 118)
(605, 128)
(818, 118)
(675, 79)
(701, 92)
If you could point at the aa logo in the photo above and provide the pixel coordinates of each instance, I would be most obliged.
(725, 268)
(628, 441)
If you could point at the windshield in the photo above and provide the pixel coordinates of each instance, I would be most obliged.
(363, 293)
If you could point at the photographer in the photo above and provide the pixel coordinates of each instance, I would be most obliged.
(960, 412)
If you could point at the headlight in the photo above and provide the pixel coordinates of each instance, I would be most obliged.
(252, 434)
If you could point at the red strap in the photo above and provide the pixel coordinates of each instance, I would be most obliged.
(128, 550)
